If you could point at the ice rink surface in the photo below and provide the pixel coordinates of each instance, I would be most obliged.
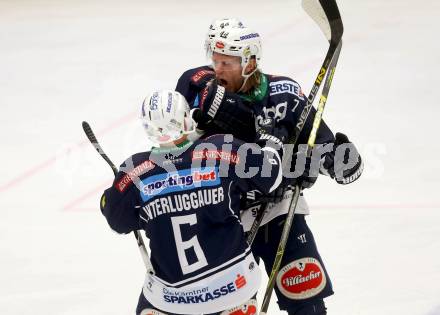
(62, 62)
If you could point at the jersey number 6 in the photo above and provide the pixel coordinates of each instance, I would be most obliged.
(182, 246)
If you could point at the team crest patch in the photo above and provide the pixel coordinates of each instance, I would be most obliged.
(301, 279)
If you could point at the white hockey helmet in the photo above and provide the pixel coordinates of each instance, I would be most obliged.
(240, 42)
(217, 26)
(166, 116)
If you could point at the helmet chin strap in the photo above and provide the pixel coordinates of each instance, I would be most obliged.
(182, 141)
(245, 76)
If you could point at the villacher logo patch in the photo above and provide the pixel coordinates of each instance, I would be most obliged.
(301, 279)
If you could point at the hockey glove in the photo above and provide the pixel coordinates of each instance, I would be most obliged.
(225, 112)
(343, 163)
(268, 136)
(121, 210)
(277, 195)
(299, 168)
(306, 179)
(256, 198)
(306, 170)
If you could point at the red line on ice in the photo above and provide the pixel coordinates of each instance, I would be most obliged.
(34, 170)
(87, 195)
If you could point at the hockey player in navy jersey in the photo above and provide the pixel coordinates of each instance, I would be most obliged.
(231, 95)
(185, 194)
(237, 120)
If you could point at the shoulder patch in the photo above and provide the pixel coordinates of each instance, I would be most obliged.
(201, 74)
(126, 180)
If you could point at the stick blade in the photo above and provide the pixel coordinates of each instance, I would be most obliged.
(326, 14)
(92, 138)
(89, 132)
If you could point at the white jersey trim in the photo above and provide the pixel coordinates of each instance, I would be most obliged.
(226, 289)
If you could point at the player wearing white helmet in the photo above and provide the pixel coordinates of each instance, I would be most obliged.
(217, 26)
(302, 282)
(185, 195)
(166, 118)
(236, 119)
(234, 50)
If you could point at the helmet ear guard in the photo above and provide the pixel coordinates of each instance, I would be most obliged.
(166, 117)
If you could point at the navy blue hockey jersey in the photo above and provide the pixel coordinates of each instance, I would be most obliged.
(187, 201)
(277, 97)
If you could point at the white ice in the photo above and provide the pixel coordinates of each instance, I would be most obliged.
(62, 62)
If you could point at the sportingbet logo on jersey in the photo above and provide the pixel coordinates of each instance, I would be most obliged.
(285, 86)
(179, 181)
(204, 294)
(301, 279)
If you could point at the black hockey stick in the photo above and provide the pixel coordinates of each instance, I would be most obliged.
(326, 14)
(297, 190)
(333, 29)
(92, 138)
